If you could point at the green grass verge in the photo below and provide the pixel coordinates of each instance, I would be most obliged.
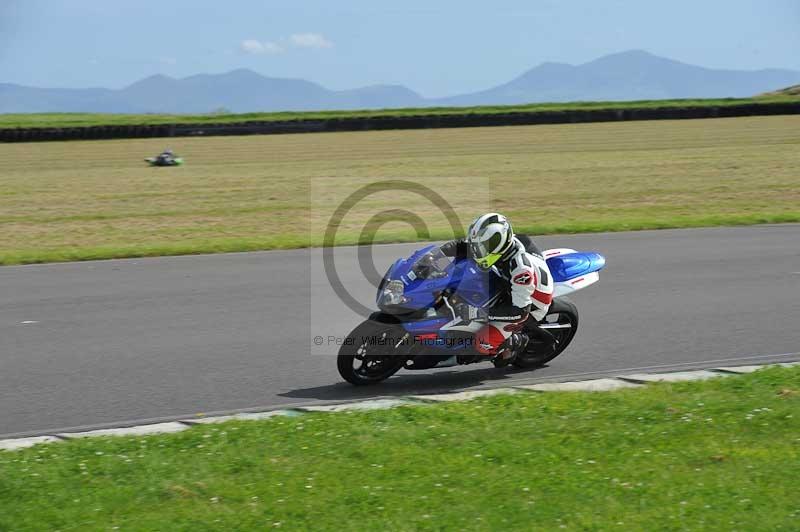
(238, 245)
(100, 119)
(715, 455)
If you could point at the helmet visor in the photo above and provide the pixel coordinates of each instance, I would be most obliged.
(483, 256)
(482, 247)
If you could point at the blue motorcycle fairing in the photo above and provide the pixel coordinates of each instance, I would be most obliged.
(426, 326)
(461, 276)
(429, 334)
(573, 265)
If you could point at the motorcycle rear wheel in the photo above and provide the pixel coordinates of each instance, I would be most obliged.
(369, 356)
(542, 348)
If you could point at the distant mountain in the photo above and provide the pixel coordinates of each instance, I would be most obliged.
(632, 75)
(19, 99)
(238, 91)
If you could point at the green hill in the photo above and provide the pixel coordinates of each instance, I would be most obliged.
(792, 91)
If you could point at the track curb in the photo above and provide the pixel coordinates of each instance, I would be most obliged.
(602, 384)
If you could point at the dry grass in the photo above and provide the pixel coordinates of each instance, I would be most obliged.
(80, 200)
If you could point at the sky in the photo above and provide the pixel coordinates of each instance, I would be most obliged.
(435, 47)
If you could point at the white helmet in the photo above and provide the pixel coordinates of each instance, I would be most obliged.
(489, 237)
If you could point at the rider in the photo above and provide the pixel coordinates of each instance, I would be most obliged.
(166, 156)
(527, 285)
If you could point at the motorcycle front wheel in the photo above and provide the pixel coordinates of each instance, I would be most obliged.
(369, 355)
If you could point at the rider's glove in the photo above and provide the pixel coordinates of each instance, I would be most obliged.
(469, 313)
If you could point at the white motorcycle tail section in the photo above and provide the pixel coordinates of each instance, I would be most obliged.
(567, 287)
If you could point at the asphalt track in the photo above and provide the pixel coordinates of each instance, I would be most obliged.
(113, 342)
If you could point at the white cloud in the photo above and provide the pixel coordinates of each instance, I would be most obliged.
(310, 40)
(296, 40)
(255, 47)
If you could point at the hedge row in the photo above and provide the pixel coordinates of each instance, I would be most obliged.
(394, 122)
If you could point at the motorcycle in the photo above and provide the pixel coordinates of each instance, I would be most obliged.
(164, 161)
(417, 327)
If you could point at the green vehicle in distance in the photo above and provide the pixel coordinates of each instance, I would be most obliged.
(165, 158)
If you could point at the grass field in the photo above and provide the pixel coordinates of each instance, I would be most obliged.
(715, 455)
(91, 200)
(97, 119)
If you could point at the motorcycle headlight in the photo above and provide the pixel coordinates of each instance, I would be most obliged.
(392, 294)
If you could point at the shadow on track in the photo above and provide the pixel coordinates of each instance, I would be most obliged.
(409, 383)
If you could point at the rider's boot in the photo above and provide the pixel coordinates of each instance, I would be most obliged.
(513, 346)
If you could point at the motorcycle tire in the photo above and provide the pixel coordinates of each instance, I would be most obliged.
(368, 354)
